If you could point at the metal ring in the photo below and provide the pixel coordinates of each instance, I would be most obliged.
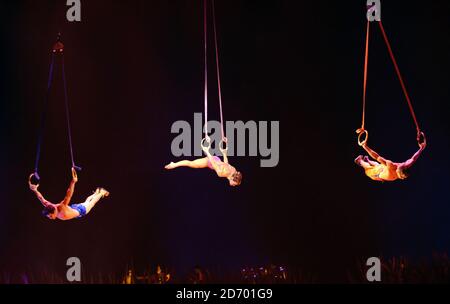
(223, 142)
(363, 142)
(206, 140)
(34, 175)
(421, 139)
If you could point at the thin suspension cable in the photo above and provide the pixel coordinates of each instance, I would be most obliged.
(391, 53)
(43, 116)
(206, 66)
(69, 131)
(218, 71)
(366, 65)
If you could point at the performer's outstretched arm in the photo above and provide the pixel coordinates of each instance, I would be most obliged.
(225, 156)
(69, 193)
(71, 189)
(414, 158)
(374, 155)
(39, 196)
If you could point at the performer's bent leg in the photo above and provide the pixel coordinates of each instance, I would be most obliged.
(196, 164)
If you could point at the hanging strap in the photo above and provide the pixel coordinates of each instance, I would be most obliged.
(366, 64)
(224, 139)
(69, 129)
(397, 70)
(57, 49)
(363, 134)
(206, 142)
(43, 118)
(205, 31)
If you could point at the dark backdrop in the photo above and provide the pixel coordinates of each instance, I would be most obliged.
(135, 67)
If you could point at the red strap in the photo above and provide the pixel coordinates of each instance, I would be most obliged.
(366, 63)
(411, 109)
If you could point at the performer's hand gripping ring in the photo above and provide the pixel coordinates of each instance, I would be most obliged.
(36, 177)
(421, 139)
(223, 145)
(206, 143)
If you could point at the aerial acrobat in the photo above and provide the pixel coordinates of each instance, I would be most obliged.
(222, 168)
(381, 169)
(63, 210)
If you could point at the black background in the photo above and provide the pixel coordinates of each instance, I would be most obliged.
(135, 67)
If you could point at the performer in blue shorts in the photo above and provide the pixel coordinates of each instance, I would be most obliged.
(64, 211)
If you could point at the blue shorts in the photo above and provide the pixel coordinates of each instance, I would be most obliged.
(80, 208)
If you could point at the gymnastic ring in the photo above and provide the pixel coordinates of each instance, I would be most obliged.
(421, 139)
(206, 140)
(363, 142)
(36, 176)
(223, 145)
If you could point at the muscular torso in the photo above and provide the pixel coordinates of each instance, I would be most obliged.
(383, 172)
(223, 169)
(65, 212)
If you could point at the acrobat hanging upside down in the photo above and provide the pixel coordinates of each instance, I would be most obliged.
(64, 211)
(381, 169)
(222, 168)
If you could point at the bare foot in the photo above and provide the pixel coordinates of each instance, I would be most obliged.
(358, 159)
(170, 166)
(104, 192)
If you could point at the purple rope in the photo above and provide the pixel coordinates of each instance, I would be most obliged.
(206, 67)
(43, 117)
(218, 72)
(69, 130)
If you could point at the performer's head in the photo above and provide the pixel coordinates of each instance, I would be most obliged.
(50, 212)
(235, 178)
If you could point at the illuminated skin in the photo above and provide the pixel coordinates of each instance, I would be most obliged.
(222, 168)
(63, 211)
(383, 169)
